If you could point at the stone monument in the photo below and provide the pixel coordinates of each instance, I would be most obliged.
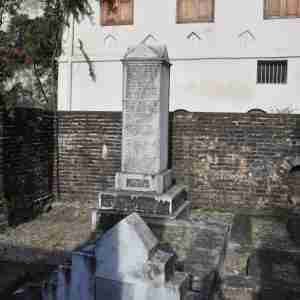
(145, 183)
(124, 264)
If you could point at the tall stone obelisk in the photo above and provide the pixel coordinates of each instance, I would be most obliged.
(145, 120)
(144, 184)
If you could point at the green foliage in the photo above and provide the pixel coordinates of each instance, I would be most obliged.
(29, 47)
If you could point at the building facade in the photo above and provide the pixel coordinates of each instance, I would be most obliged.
(227, 56)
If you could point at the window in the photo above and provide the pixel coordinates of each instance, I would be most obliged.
(282, 8)
(116, 12)
(189, 11)
(272, 71)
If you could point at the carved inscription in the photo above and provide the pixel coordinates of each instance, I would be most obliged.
(137, 183)
(140, 155)
(142, 81)
(141, 111)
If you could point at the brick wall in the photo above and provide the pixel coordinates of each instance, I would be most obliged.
(28, 148)
(227, 160)
(235, 160)
(3, 207)
(89, 156)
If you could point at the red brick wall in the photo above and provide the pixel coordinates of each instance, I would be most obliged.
(235, 160)
(227, 160)
(84, 169)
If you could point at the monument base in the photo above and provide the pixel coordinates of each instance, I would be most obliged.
(158, 183)
(166, 205)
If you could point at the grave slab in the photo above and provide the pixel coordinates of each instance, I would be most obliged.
(131, 267)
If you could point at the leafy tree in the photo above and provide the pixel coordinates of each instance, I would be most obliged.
(31, 46)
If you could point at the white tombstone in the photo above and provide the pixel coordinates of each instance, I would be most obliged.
(146, 81)
(130, 267)
(144, 184)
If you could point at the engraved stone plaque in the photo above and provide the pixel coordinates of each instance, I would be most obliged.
(137, 183)
(145, 111)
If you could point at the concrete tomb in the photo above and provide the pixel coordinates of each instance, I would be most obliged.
(145, 182)
(124, 264)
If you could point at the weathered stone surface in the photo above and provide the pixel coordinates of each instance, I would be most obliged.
(241, 230)
(145, 115)
(239, 246)
(293, 227)
(239, 288)
(269, 258)
(124, 248)
(271, 233)
(49, 238)
(168, 204)
(200, 246)
(129, 265)
(236, 259)
(144, 182)
(271, 265)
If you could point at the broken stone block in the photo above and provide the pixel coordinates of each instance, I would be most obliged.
(130, 266)
(238, 287)
(124, 247)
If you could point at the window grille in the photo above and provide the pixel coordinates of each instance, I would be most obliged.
(272, 71)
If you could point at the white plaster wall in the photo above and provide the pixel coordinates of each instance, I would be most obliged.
(214, 73)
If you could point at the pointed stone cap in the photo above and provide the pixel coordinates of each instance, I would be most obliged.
(124, 248)
(144, 51)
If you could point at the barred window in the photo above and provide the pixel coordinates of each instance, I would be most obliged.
(282, 8)
(189, 11)
(116, 12)
(272, 71)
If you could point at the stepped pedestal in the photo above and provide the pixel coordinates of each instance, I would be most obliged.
(145, 183)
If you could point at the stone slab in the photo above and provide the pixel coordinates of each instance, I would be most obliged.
(118, 290)
(161, 267)
(142, 182)
(166, 204)
(145, 111)
(130, 266)
(237, 287)
(123, 248)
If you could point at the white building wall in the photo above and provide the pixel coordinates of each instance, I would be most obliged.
(215, 70)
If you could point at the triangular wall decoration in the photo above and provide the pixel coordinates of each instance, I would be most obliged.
(247, 34)
(194, 37)
(110, 41)
(149, 40)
